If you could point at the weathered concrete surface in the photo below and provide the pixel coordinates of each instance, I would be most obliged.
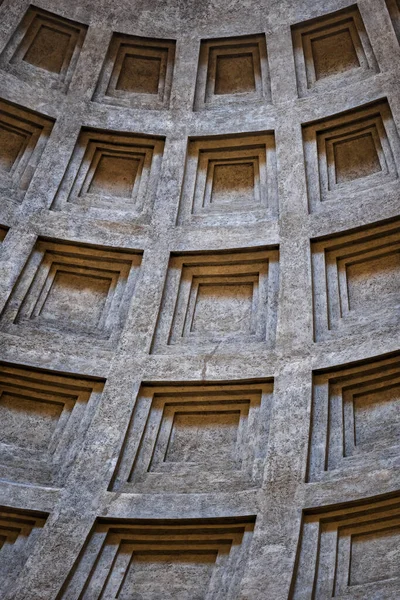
(192, 407)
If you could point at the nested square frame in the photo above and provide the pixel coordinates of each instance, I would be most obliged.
(325, 563)
(211, 49)
(335, 447)
(12, 58)
(123, 45)
(331, 259)
(204, 154)
(34, 130)
(74, 193)
(259, 268)
(22, 312)
(143, 464)
(77, 398)
(348, 21)
(319, 140)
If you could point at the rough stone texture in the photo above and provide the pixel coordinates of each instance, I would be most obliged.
(199, 300)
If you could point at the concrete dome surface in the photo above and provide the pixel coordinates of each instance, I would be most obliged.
(199, 300)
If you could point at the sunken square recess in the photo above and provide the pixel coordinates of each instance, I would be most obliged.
(192, 437)
(230, 180)
(111, 171)
(3, 233)
(232, 70)
(23, 137)
(172, 560)
(355, 423)
(44, 49)
(19, 532)
(137, 72)
(218, 299)
(394, 11)
(356, 281)
(44, 418)
(352, 154)
(72, 289)
(331, 51)
(351, 551)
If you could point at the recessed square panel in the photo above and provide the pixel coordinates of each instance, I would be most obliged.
(20, 531)
(173, 560)
(172, 572)
(44, 419)
(203, 437)
(195, 437)
(229, 179)
(28, 423)
(73, 290)
(111, 175)
(355, 279)
(349, 551)
(48, 49)
(234, 74)
(374, 549)
(223, 308)
(12, 144)
(137, 72)
(232, 70)
(355, 425)
(331, 51)
(376, 416)
(81, 296)
(356, 157)
(233, 182)
(224, 299)
(351, 155)
(44, 49)
(114, 175)
(23, 138)
(334, 53)
(373, 279)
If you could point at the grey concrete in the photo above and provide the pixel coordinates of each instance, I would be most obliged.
(199, 413)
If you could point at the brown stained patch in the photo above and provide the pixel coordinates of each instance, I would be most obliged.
(235, 74)
(334, 53)
(114, 176)
(356, 157)
(373, 281)
(12, 144)
(233, 183)
(48, 50)
(139, 74)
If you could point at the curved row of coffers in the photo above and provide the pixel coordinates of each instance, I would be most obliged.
(328, 51)
(225, 299)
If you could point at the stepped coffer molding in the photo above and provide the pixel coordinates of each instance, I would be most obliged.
(45, 49)
(72, 290)
(199, 300)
